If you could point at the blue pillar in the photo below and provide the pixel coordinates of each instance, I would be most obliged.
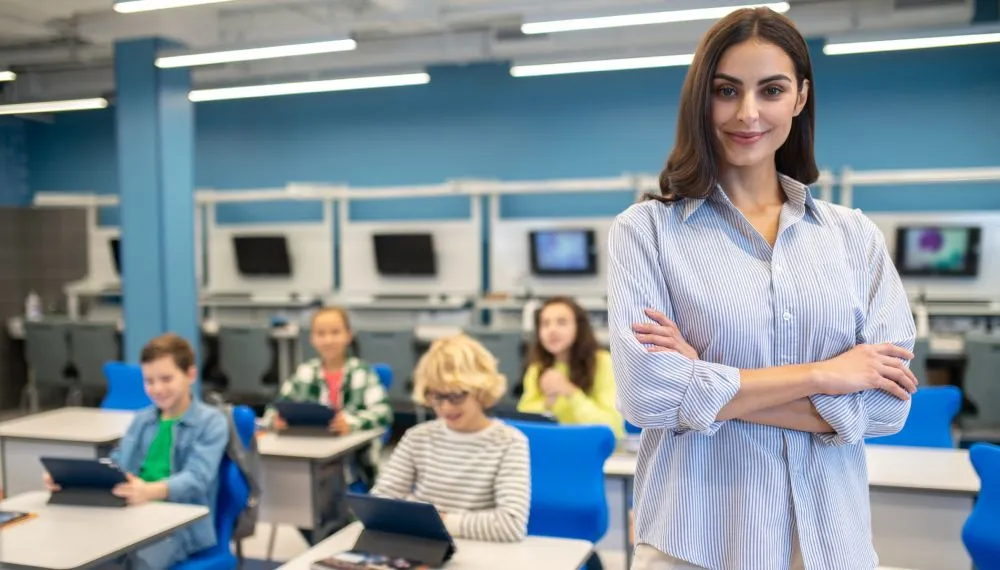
(155, 128)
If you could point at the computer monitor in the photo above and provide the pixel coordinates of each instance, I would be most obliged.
(116, 253)
(406, 255)
(563, 252)
(262, 256)
(937, 251)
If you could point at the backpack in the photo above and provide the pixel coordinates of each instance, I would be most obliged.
(247, 460)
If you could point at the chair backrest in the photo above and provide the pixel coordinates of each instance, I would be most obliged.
(245, 356)
(932, 412)
(506, 347)
(234, 490)
(92, 345)
(980, 383)
(981, 532)
(567, 479)
(385, 376)
(396, 349)
(126, 390)
(46, 348)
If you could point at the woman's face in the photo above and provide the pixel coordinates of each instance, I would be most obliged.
(557, 328)
(754, 99)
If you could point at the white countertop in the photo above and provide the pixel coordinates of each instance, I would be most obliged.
(925, 469)
(534, 553)
(66, 538)
(76, 425)
(318, 447)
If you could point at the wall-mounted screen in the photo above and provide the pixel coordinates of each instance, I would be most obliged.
(563, 252)
(262, 256)
(947, 251)
(405, 255)
(116, 253)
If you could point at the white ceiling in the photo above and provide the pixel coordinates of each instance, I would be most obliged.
(64, 48)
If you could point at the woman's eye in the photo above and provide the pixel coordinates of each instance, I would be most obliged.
(726, 91)
(773, 91)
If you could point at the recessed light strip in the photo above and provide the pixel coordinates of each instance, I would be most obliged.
(7, 76)
(844, 48)
(624, 20)
(272, 90)
(54, 106)
(254, 54)
(133, 6)
(601, 65)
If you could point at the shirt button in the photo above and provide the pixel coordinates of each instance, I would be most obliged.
(787, 316)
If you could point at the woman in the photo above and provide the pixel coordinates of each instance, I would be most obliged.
(474, 469)
(570, 376)
(788, 330)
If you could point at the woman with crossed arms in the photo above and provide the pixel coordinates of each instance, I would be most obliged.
(780, 333)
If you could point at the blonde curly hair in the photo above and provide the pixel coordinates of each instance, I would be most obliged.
(459, 364)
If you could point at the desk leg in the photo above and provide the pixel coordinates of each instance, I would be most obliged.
(329, 485)
(626, 494)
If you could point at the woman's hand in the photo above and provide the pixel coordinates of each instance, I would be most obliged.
(867, 367)
(663, 334)
(553, 384)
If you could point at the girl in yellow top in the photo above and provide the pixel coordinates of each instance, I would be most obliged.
(569, 376)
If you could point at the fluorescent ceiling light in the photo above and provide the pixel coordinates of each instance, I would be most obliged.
(601, 65)
(53, 106)
(253, 54)
(7, 76)
(309, 87)
(133, 6)
(642, 19)
(843, 48)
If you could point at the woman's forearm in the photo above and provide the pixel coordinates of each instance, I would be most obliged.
(799, 415)
(767, 388)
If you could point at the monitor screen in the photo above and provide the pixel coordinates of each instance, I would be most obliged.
(405, 255)
(116, 253)
(937, 251)
(563, 252)
(262, 255)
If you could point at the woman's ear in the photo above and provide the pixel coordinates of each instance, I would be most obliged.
(803, 96)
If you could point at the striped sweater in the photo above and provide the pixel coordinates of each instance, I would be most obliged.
(481, 481)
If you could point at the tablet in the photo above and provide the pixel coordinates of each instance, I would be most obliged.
(71, 473)
(395, 516)
(11, 517)
(304, 414)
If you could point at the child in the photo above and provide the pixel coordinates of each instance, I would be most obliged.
(341, 381)
(473, 469)
(569, 376)
(172, 450)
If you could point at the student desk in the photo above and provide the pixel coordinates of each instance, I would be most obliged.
(66, 432)
(302, 475)
(534, 553)
(71, 538)
(920, 498)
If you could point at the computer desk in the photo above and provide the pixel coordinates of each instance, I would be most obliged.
(65, 537)
(920, 499)
(87, 433)
(300, 473)
(533, 553)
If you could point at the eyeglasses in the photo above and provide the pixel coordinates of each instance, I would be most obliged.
(453, 398)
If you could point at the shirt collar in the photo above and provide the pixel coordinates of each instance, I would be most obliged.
(798, 195)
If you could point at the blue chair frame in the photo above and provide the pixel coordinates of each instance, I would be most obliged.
(981, 532)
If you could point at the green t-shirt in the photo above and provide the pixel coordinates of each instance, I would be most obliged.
(156, 466)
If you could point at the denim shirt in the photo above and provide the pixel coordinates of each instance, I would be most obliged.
(200, 439)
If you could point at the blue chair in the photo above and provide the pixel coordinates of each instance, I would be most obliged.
(982, 528)
(632, 429)
(126, 389)
(385, 375)
(932, 411)
(567, 479)
(234, 491)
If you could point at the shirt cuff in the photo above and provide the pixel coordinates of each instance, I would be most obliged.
(842, 413)
(712, 387)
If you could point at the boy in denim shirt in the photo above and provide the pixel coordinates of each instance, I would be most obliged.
(172, 450)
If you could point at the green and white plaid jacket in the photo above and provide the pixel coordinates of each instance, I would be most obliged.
(364, 401)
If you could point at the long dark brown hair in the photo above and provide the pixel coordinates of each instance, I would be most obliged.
(582, 353)
(692, 169)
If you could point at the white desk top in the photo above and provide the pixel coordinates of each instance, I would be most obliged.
(77, 425)
(313, 447)
(534, 553)
(923, 469)
(66, 538)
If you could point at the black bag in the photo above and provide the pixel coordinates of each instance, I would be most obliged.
(248, 462)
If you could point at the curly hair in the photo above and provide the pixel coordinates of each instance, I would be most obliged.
(459, 364)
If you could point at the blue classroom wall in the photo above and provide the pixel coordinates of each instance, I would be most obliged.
(14, 188)
(920, 109)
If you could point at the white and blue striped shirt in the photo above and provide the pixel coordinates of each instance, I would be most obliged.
(731, 495)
